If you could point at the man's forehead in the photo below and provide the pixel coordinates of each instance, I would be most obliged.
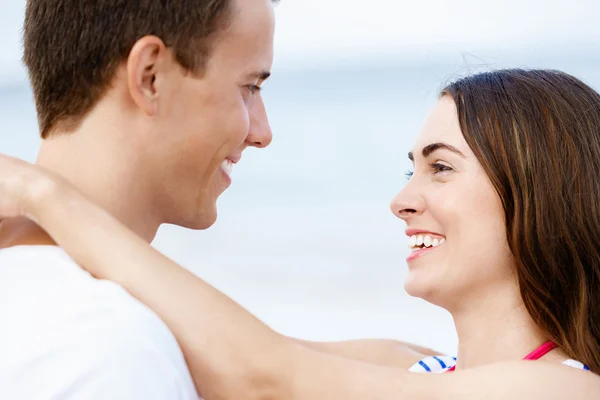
(251, 15)
(249, 39)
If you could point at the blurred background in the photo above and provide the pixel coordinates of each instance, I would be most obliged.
(305, 238)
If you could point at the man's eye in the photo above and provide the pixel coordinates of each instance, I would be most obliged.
(253, 88)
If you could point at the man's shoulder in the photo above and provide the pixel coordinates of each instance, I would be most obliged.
(37, 262)
(59, 318)
(44, 280)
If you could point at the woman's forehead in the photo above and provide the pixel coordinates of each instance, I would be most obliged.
(441, 126)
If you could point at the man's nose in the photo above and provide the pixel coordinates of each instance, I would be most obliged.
(260, 134)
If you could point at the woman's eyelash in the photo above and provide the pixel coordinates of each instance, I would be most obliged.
(436, 167)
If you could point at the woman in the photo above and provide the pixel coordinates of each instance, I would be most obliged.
(502, 215)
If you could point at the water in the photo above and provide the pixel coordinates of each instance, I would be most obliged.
(305, 239)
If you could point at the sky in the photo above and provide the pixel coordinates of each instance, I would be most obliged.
(311, 33)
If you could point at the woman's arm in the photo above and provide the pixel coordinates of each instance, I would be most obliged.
(230, 353)
(384, 352)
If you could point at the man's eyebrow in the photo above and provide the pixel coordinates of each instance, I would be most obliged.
(427, 150)
(260, 75)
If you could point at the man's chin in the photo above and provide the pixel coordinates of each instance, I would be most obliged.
(200, 220)
(203, 224)
(204, 220)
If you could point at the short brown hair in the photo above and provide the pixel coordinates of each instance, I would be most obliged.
(537, 135)
(72, 48)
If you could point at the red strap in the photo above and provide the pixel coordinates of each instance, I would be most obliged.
(541, 351)
(534, 355)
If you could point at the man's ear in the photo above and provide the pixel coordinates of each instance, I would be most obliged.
(145, 65)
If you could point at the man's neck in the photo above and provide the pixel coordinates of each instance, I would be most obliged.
(102, 162)
(105, 170)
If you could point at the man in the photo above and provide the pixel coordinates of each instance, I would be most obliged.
(145, 106)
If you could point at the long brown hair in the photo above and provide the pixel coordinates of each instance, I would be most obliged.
(537, 135)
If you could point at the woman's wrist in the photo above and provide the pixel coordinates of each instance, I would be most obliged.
(44, 194)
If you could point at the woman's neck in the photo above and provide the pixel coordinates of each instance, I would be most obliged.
(495, 328)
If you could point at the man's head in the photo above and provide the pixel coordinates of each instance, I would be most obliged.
(182, 75)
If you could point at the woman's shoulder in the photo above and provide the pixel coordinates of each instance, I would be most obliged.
(440, 364)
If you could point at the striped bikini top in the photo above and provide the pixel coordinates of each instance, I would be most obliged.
(441, 364)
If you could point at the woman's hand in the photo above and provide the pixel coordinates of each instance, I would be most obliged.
(24, 186)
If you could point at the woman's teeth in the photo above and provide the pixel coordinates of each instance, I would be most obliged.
(423, 241)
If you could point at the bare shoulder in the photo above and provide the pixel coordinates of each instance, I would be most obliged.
(522, 380)
(383, 352)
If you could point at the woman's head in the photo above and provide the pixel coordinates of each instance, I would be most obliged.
(520, 204)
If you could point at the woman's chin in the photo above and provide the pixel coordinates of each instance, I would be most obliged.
(414, 287)
(421, 286)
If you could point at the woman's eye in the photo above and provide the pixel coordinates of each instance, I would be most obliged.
(437, 168)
